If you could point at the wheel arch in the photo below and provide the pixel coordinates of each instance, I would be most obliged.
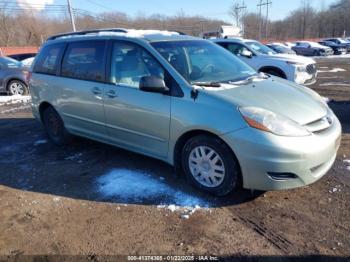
(9, 80)
(181, 141)
(264, 69)
(43, 105)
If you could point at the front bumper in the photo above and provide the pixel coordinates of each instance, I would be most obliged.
(260, 154)
(305, 78)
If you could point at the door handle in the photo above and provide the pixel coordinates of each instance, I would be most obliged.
(96, 91)
(111, 94)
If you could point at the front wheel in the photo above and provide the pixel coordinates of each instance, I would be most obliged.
(16, 87)
(210, 165)
(54, 127)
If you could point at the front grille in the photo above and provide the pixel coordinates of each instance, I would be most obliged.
(311, 69)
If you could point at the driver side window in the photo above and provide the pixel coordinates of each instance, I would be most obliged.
(131, 62)
(237, 49)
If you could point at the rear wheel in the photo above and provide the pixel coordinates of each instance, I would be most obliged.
(17, 87)
(209, 165)
(54, 127)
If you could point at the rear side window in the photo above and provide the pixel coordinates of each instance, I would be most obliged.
(85, 60)
(48, 59)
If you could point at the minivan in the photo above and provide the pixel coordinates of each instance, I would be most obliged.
(185, 101)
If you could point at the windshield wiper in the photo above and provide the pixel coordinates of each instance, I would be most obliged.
(206, 84)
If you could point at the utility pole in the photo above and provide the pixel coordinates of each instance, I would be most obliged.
(242, 9)
(71, 15)
(268, 3)
(260, 5)
(260, 20)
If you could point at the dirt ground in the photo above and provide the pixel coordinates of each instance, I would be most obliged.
(51, 202)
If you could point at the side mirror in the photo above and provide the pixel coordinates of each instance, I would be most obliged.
(153, 84)
(246, 53)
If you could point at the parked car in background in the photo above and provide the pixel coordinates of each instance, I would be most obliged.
(289, 44)
(12, 77)
(340, 41)
(27, 62)
(307, 48)
(20, 57)
(185, 101)
(338, 49)
(281, 48)
(298, 69)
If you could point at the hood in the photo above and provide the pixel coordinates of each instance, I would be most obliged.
(291, 58)
(298, 103)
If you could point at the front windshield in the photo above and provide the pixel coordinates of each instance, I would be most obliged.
(200, 61)
(260, 48)
(342, 41)
(9, 62)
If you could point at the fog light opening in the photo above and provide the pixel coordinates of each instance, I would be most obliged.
(281, 176)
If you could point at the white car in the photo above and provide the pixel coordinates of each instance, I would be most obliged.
(301, 70)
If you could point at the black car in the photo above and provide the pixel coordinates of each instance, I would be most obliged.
(281, 49)
(338, 49)
(340, 41)
(21, 57)
(12, 77)
(308, 48)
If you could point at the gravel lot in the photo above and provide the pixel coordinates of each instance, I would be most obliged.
(91, 199)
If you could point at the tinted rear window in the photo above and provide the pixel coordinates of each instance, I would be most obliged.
(48, 59)
(85, 60)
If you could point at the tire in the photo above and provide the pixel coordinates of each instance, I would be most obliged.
(54, 127)
(17, 87)
(199, 169)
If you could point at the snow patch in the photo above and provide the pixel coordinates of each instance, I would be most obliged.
(334, 70)
(16, 99)
(138, 186)
(14, 110)
(56, 199)
(326, 99)
(335, 84)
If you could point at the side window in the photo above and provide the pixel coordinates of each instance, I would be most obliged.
(131, 62)
(85, 60)
(48, 59)
(237, 49)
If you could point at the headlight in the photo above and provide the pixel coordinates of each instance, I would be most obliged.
(294, 63)
(268, 121)
(300, 67)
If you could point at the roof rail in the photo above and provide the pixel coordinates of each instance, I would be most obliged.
(115, 30)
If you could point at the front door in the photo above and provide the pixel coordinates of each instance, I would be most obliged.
(136, 119)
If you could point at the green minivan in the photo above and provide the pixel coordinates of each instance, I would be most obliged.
(186, 101)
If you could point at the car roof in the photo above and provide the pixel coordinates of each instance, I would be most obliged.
(233, 40)
(120, 33)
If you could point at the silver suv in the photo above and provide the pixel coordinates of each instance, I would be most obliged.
(188, 102)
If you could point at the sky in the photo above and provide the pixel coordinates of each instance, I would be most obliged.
(209, 8)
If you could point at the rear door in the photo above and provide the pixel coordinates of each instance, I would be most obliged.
(82, 84)
(136, 119)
